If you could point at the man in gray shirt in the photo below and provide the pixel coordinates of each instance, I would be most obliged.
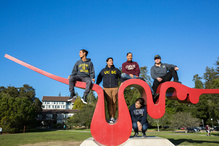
(83, 71)
(162, 72)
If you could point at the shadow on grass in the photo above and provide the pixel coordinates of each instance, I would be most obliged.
(191, 141)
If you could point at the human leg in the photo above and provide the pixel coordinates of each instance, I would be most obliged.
(72, 81)
(156, 83)
(171, 74)
(108, 96)
(88, 82)
(144, 129)
(114, 100)
(125, 76)
(135, 127)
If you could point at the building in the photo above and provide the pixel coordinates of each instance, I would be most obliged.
(56, 109)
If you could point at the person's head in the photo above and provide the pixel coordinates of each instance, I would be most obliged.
(157, 59)
(83, 53)
(139, 103)
(129, 56)
(109, 61)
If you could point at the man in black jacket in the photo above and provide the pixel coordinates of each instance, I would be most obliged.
(110, 75)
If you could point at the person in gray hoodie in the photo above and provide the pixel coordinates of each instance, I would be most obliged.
(162, 72)
(83, 71)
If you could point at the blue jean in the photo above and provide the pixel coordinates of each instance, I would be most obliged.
(125, 76)
(144, 127)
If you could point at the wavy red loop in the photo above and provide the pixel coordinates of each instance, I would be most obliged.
(119, 132)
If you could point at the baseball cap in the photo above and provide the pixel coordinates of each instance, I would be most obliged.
(157, 57)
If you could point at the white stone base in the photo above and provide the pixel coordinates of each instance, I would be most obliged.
(149, 141)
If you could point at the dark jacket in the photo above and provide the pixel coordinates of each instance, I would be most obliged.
(110, 77)
(161, 71)
(138, 114)
(84, 69)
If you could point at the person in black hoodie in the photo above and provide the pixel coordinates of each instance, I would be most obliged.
(83, 71)
(138, 114)
(110, 75)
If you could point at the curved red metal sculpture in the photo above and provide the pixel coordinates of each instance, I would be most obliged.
(119, 132)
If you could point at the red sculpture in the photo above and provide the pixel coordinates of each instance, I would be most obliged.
(119, 132)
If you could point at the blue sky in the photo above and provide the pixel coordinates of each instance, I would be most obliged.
(49, 34)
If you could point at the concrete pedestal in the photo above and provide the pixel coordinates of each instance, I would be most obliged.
(149, 141)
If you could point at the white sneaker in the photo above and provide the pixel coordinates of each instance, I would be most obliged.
(83, 101)
(71, 98)
(112, 120)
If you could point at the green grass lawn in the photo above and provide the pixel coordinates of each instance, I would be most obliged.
(45, 136)
(188, 138)
(80, 135)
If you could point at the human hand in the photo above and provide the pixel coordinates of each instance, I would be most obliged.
(93, 80)
(139, 126)
(68, 77)
(131, 75)
(176, 68)
(159, 79)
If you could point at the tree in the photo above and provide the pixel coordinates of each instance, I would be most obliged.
(144, 74)
(78, 103)
(184, 119)
(208, 105)
(18, 108)
(83, 117)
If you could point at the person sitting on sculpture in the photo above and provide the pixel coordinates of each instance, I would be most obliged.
(110, 75)
(162, 72)
(83, 71)
(130, 68)
(138, 114)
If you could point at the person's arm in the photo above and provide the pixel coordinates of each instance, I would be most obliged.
(99, 78)
(118, 72)
(169, 66)
(144, 117)
(134, 120)
(123, 68)
(153, 74)
(74, 70)
(137, 71)
(92, 72)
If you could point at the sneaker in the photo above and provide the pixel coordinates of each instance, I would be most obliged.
(72, 96)
(84, 99)
(112, 120)
(155, 97)
(135, 135)
(144, 135)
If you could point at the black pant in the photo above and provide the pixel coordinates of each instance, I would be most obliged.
(167, 77)
(73, 79)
